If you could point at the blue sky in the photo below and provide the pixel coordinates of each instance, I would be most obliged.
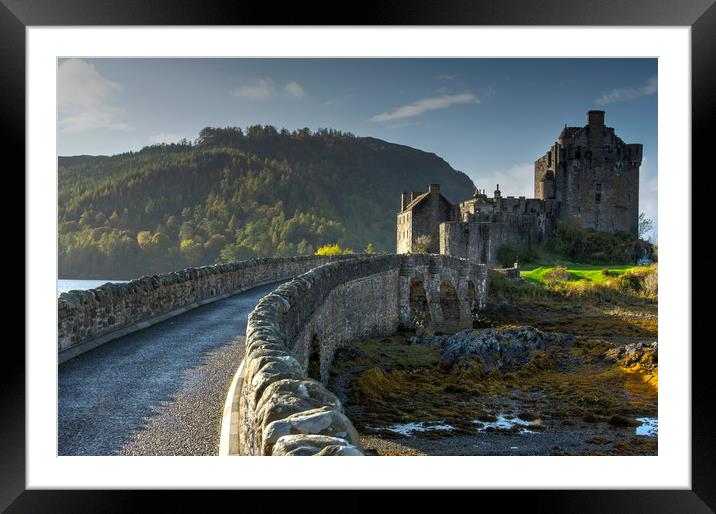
(490, 118)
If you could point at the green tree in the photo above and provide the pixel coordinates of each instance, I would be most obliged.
(191, 252)
(213, 246)
(271, 191)
(235, 252)
(144, 238)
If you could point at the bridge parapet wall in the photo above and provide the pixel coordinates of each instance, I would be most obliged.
(293, 333)
(98, 314)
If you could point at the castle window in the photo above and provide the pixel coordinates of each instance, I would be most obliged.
(598, 195)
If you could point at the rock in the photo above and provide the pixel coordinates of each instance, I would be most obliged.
(277, 361)
(643, 354)
(286, 397)
(318, 445)
(320, 421)
(261, 372)
(494, 349)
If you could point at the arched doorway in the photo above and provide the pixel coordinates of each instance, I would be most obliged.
(449, 302)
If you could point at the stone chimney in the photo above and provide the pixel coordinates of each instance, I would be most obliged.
(595, 118)
(404, 200)
(434, 189)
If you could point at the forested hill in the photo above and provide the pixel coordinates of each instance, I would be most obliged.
(236, 194)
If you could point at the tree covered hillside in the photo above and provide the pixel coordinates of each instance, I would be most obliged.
(236, 194)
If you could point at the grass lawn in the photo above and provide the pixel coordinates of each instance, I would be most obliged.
(588, 272)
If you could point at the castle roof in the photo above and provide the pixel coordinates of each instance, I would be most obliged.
(416, 201)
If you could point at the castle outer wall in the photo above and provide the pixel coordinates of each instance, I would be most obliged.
(589, 177)
(480, 241)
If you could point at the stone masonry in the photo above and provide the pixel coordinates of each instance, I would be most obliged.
(293, 333)
(86, 315)
(589, 177)
(594, 175)
(283, 408)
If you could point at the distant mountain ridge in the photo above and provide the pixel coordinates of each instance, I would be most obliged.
(234, 194)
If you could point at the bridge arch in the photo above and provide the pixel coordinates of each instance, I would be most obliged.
(471, 294)
(313, 366)
(449, 303)
(419, 311)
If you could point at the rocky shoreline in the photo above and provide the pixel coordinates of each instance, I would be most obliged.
(510, 391)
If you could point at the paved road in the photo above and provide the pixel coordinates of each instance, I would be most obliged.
(159, 391)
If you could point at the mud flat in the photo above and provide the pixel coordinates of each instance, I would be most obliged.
(537, 378)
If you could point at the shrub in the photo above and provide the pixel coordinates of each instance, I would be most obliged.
(651, 282)
(557, 275)
(332, 250)
(594, 247)
(422, 243)
(510, 253)
(630, 281)
(499, 285)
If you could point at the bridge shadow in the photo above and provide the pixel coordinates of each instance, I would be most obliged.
(158, 391)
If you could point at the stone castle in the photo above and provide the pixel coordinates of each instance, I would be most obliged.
(589, 176)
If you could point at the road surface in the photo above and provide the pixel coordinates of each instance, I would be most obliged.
(158, 391)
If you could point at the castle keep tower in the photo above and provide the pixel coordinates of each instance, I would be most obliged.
(589, 176)
(594, 175)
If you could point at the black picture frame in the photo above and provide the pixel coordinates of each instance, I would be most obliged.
(700, 15)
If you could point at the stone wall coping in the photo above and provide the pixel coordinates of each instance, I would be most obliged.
(280, 407)
(78, 311)
(112, 290)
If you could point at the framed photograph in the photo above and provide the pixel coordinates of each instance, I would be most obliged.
(430, 236)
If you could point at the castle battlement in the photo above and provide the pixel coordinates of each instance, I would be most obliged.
(589, 176)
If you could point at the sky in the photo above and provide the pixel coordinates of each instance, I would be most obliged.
(490, 118)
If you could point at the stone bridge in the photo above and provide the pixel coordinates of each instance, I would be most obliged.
(283, 407)
(278, 402)
(87, 319)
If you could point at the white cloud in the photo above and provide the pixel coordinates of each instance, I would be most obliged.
(165, 137)
(263, 89)
(85, 99)
(260, 90)
(294, 89)
(446, 77)
(425, 105)
(629, 93)
(518, 180)
(648, 196)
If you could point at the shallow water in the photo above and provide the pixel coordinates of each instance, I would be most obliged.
(649, 427)
(505, 423)
(410, 428)
(65, 285)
